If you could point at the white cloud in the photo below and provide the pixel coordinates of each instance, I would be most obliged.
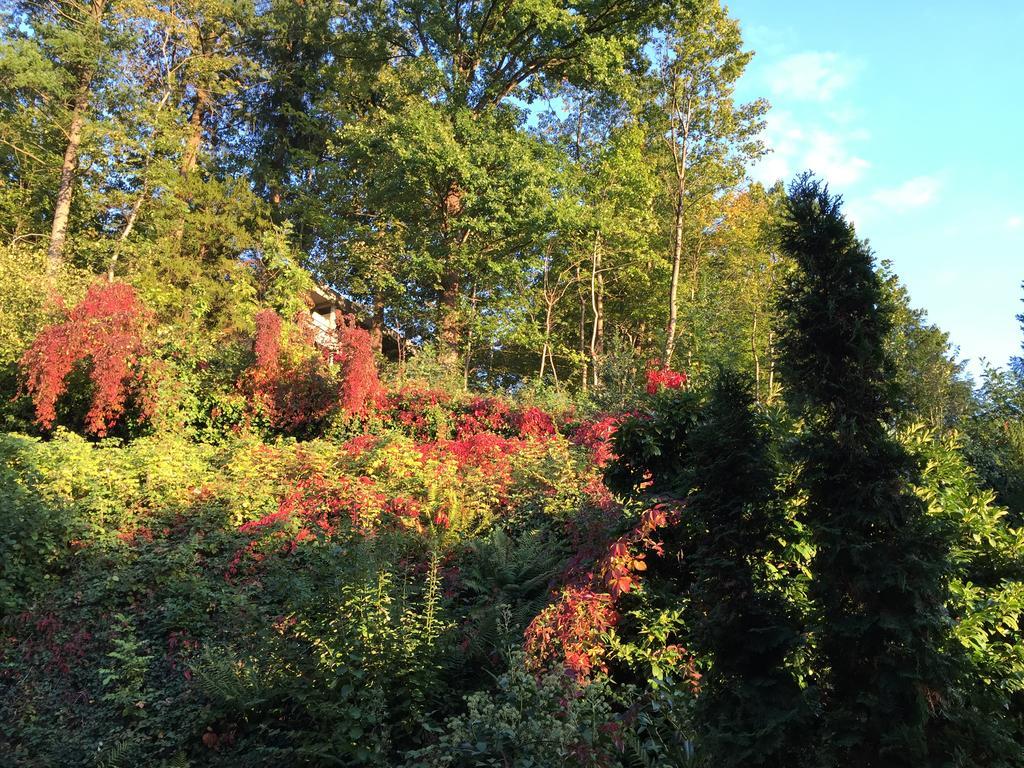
(1015, 222)
(913, 193)
(811, 76)
(794, 148)
(827, 155)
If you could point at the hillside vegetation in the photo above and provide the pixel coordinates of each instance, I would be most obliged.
(427, 385)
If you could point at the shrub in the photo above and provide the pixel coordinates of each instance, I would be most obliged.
(104, 333)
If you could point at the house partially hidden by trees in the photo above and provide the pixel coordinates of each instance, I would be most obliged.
(329, 310)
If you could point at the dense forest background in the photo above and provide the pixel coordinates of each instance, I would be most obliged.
(610, 455)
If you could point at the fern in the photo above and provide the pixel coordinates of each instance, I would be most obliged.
(117, 755)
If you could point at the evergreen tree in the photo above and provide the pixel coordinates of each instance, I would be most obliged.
(879, 587)
(750, 711)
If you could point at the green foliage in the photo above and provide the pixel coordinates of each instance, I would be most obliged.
(880, 571)
(984, 714)
(154, 606)
(124, 679)
(930, 382)
(651, 446)
(526, 721)
(995, 436)
(494, 192)
(353, 670)
(751, 710)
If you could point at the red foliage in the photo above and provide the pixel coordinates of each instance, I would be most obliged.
(315, 507)
(104, 330)
(407, 409)
(59, 647)
(361, 389)
(597, 436)
(659, 376)
(483, 414)
(297, 391)
(622, 564)
(181, 648)
(293, 394)
(132, 535)
(533, 422)
(569, 630)
(268, 341)
(359, 445)
(300, 396)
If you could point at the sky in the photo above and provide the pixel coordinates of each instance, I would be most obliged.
(914, 112)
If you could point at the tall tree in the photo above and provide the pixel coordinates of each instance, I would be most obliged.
(67, 43)
(880, 570)
(730, 310)
(933, 387)
(83, 46)
(606, 229)
(707, 134)
(471, 180)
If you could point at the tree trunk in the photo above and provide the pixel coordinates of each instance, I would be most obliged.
(68, 171)
(757, 359)
(69, 168)
(190, 158)
(133, 214)
(449, 327)
(677, 260)
(129, 225)
(596, 304)
(468, 360)
(583, 329)
(377, 327)
(548, 321)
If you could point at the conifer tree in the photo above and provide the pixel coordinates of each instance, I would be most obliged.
(879, 582)
(750, 711)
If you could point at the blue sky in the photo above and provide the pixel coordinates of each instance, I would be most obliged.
(914, 111)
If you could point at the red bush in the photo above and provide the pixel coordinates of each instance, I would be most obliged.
(361, 389)
(104, 331)
(295, 392)
(596, 436)
(483, 414)
(659, 376)
(569, 631)
(299, 390)
(533, 422)
(268, 341)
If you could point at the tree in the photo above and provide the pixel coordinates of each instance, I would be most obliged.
(750, 710)
(55, 55)
(730, 312)
(880, 571)
(604, 239)
(931, 381)
(85, 21)
(446, 152)
(995, 436)
(698, 63)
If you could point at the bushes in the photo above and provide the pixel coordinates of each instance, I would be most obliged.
(248, 601)
(529, 721)
(104, 333)
(446, 581)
